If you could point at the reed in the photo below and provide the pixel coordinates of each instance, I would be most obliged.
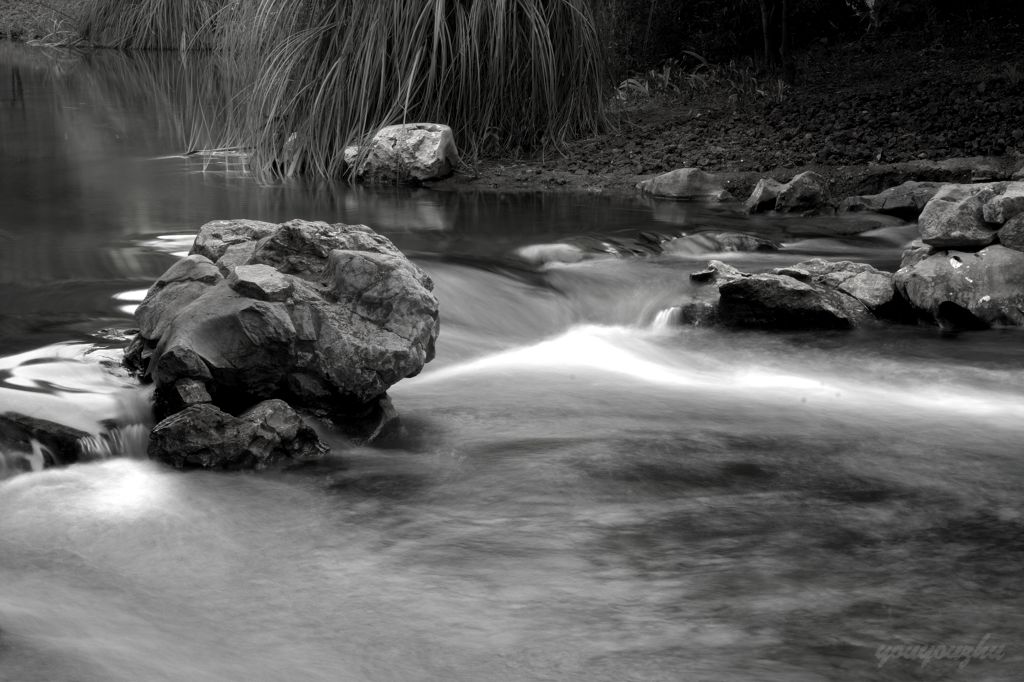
(507, 75)
(151, 24)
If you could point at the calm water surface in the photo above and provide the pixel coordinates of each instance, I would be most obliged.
(581, 493)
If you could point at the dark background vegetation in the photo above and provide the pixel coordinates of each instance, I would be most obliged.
(646, 33)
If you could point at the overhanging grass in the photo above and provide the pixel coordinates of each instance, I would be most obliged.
(506, 75)
(151, 24)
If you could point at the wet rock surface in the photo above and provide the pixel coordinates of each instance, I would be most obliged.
(327, 317)
(813, 294)
(961, 290)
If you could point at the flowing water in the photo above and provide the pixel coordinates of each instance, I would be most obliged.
(583, 489)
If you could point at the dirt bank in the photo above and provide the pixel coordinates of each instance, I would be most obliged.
(863, 114)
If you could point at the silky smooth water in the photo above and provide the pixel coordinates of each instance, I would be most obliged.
(582, 491)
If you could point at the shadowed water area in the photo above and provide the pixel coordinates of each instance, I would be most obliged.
(582, 491)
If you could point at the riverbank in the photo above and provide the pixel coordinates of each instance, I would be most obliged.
(862, 114)
(866, 115)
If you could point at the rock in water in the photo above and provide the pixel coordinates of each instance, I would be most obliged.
(954, 218)
(411, 152)
(764, 196)
(904, 201)
(686, 184)
(807, 191)
(770, 301)
(38, 442)
(1011, 235)
(967, 289)
(206, 436)
(327, 317)
(872, 287)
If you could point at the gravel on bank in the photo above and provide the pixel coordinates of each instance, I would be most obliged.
(875, 107)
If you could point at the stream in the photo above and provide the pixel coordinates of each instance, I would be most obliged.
(581, 491)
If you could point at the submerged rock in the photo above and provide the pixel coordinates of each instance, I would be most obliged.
(403, 153)
(718, 242)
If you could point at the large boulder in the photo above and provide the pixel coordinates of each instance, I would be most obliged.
(954, 218)
(778, 301)
(686, 184)
(206, 436)
(961, 289)
(409, 152)
(327, 317)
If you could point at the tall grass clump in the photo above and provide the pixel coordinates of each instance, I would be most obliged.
(506, 75)
(151, 24)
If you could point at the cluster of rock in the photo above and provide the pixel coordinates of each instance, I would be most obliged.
(805, 192)
(260, 319)
(967, 270)
(813, 294)
(405, 153)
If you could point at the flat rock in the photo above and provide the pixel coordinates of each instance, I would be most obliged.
(905, 201)
(261, 282)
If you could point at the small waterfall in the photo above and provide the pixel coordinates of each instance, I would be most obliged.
(13, 462)
(118, 441)
(667, 319)
(32, 455)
